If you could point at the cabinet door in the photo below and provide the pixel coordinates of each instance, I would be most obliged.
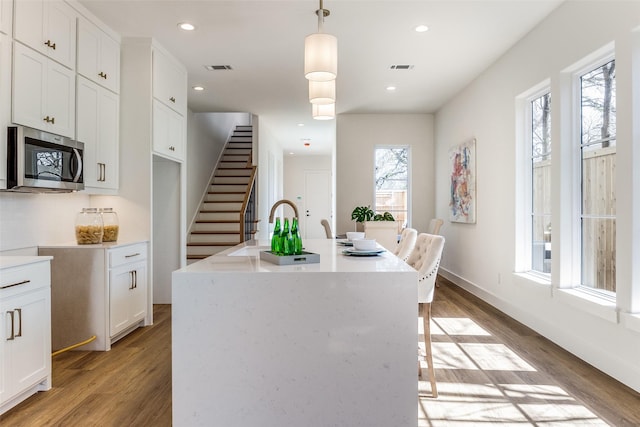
(169, 82)
(5, 103)
(28, 350)
(60, 28)
(49, 27)
(29, 79)
(97, 120)
(60, 99)
(43, 92)
(127, 296)
(98, 56)
(168, 132)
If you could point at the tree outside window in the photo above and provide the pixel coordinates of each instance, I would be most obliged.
(598, 149)
(392, 182)
(541, 183)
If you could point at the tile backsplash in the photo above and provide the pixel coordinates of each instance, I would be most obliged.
(29, 220)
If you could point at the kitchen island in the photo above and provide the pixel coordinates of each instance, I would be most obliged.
(328, 343)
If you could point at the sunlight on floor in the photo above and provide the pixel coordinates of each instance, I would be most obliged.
(494, 384)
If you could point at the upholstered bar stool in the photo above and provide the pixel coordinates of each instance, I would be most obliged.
(425, 258)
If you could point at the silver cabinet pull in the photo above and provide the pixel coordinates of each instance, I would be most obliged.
(13, 335)
(135, 278)
(51, 45)
(132, 255)
(172, 99)
(19, 334)
(103, 75)
(15, 284)
(51, 120)
(130, 280)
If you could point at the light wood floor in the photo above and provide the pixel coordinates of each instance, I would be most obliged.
(491, 370)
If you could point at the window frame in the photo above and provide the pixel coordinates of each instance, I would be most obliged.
(409, 156)
(524, 183)
(592, 62)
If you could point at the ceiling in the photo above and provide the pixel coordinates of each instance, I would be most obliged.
(263, 42)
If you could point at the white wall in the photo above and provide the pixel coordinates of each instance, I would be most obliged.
(357, 136)
(480, 257)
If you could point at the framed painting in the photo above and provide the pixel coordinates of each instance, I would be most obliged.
(462, 205)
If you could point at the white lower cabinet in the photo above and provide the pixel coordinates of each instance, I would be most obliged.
(99, 290)
(25, 330)
(128, 295)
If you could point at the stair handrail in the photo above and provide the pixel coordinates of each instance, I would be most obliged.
(245, 202)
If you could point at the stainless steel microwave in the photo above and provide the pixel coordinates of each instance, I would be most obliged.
(40, 162)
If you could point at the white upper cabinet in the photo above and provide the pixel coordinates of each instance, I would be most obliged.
(43, 93)
(97, 128)
(168, 132)
(5, 103)
(6, 9)
(169, 82)
(48, 26)
(98, 56)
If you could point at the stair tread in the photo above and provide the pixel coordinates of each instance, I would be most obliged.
(213, 243)
(214, 221)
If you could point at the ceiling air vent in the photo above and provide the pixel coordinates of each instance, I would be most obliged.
(218, 67)
(401, 67)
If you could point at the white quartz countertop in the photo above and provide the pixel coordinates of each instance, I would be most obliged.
(16, 261)
(245, 257)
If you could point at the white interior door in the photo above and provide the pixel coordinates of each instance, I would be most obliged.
(316, 203)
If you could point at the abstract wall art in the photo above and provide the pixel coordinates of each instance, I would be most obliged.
(462, 205)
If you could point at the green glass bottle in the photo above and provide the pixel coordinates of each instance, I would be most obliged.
(276, 246)
(287, 242)
(295, 235)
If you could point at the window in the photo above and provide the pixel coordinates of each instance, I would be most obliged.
(598, 161)
(392, 182)
(540, 138)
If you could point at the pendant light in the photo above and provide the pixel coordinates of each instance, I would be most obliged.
(322, 92)
(323, 111)
(321, 52)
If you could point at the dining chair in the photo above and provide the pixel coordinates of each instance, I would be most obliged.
(385, 233)
(407, 243)
(434, 225)
(425, 258)
(327, 228)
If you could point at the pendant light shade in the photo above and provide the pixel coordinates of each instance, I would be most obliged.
(323, 112)
(322, 93)
(320, 57)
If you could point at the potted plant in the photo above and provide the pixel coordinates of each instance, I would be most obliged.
(361, 214)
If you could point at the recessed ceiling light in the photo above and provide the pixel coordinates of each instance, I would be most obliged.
(300, 124)
(421, 28)
(391, 88)
(186, 26)
(198, 88)
(291, 153)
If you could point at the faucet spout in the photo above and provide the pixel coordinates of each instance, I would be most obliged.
(280, 202)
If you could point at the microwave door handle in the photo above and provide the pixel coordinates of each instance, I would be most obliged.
(78, 158)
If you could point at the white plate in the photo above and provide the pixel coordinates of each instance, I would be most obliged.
(345, 242)
(355, 252)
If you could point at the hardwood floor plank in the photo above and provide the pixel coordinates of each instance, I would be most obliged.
(490, 370)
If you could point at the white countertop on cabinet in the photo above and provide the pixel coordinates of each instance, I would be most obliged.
(107, 245)
(330, 343)
(8, 261)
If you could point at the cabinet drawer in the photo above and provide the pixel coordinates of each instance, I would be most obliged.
(24, 278)
(127, 254)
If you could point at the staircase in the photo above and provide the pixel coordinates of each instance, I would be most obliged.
(220, 223)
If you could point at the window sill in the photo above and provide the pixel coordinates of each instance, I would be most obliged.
(631, 321)
(533, 278)
(592, 304)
